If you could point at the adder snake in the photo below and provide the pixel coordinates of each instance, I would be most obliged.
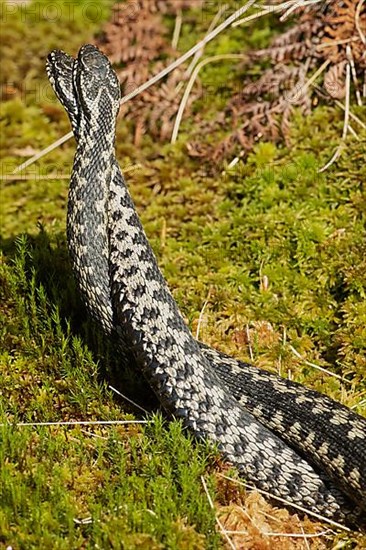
(293, 442)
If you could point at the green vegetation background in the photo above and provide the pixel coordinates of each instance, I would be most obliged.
(273, 216)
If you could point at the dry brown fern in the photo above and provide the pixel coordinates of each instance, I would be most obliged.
(135, 39)
(325, 32)
(340, 29)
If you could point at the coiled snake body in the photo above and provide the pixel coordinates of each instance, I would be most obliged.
(321, 453)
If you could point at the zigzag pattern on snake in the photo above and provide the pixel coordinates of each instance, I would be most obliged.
(125, 291)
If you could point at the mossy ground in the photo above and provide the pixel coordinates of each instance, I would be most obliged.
(276, 250)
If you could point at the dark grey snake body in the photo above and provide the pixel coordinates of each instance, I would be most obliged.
(232, 403)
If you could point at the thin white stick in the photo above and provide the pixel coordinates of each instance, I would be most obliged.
(190, 84)
(336, 42)
(91, 434)
(177, 28)
(254, 16)
(238, 13)
(44, 152)
(357, 21)
(251, 355)
(353, 132)
(295, 535)
(312, 79)
(333, 158)
(286, 502)
(352, 115)
(84, 521)
(200, 318)
(213, 24)
(346, 103)
(128, 399)
(42, 177)
(345, 123)
(265, 11)
(339, 104)
(317, 367)
(360, 404)
(270, 7)
(77, 423)
(354, 74)
(221, 527)
(297, 5)
(233, 163)
(303, 535)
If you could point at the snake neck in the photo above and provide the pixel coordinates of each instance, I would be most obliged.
(87, 220)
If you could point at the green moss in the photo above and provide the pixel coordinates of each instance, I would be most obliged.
(143, 482)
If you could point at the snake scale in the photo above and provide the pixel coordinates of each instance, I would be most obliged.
(293, 442)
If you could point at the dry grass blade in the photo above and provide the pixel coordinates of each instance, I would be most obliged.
(190, 84)
(360, 404)
(290, 535)
(238, 13)
(317, 367)
(76, 423)
(221, 527)
(353, 132)
(304, 537)
(357, 21)
(42, 153)
(213, 24)
(296, 5)
(345, 123)
(323, 38)
(200, 318)
(265, 11)
(251, 355)
(354, 74)
(55, 176)
(128, 399)
(177, 29)
(354, 117)
(40, 177)
(84, 521)
(92, 434)
(313, 78)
